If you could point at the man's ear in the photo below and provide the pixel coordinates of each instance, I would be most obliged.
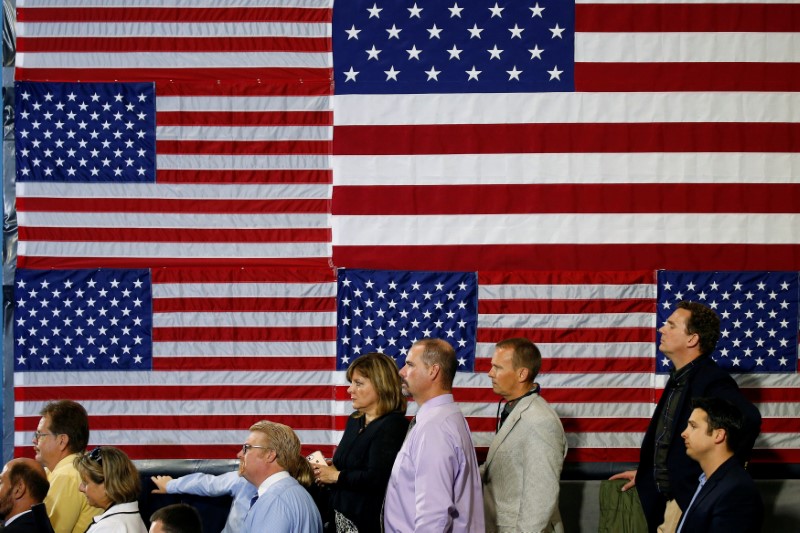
(19, 490)
(522, 374)
(433, 371)
(693, 341)
(720, 435)
(271, 456)
(63, 441)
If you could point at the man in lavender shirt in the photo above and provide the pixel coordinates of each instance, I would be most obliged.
(435, 484)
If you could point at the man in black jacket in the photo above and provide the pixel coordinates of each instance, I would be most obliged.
(726, 498)
(23, 486)
(667, 478)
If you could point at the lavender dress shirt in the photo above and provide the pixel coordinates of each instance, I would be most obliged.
(435, 484)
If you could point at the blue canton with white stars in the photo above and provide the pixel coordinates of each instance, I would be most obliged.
(758, 314)
(85, 132)
(82, 320)
(386, 311)
(475, 46)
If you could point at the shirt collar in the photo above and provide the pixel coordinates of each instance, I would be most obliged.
(433, 402)
(16, 516)
(271, 480)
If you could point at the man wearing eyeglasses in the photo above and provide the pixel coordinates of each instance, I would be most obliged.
(270, 459)
(62, 434)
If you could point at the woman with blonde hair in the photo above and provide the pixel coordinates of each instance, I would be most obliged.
(110, 482)
(363, 461)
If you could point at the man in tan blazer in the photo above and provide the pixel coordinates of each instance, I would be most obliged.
(522, 470)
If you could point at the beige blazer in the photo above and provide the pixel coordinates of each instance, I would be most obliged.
(522, 470)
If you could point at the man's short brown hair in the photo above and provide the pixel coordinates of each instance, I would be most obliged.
(525, 354)
(35, 480)
(703, 321)
(178, 518)
(440, 352)
(69, 418)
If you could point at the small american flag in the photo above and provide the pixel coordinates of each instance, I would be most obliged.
(86, 132)
(396, 47)
(387, 312)
(757, 311)
(82, 320)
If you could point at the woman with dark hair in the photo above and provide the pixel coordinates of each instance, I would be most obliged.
(363, 460)
(110, 482)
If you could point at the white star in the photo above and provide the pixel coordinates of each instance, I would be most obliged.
(391, 74)
(434, 31)
(414, 11)
(516, 31)
(494, 53)
(373, 53)
(394, 31)
(475, 31)
(537, 11)
(557, 31)
(783, 361)
(433, 74)
(555, 74)
(375, 11)
(473, 74)
(497, 11)
(455, 11)
(513, 74)
(351, 75)
(413, 53)
(455, 52)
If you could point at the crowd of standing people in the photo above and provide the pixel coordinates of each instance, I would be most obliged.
(392, 474)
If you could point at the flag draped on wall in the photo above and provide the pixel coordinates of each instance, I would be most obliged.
(667, 140)
(678, 147)
(234, 198)
(230, 346)
(243, 128)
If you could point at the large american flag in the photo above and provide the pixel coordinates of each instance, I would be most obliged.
(671, 143)
(229, 346)
(676, 149)
(243, 132)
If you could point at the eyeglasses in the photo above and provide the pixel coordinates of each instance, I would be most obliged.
(38, 435)
(251, 446)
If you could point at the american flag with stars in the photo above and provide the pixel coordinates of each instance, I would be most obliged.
(421, 47)
(387, 312)
(86, 132)
(758, 314)
(82, 320)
